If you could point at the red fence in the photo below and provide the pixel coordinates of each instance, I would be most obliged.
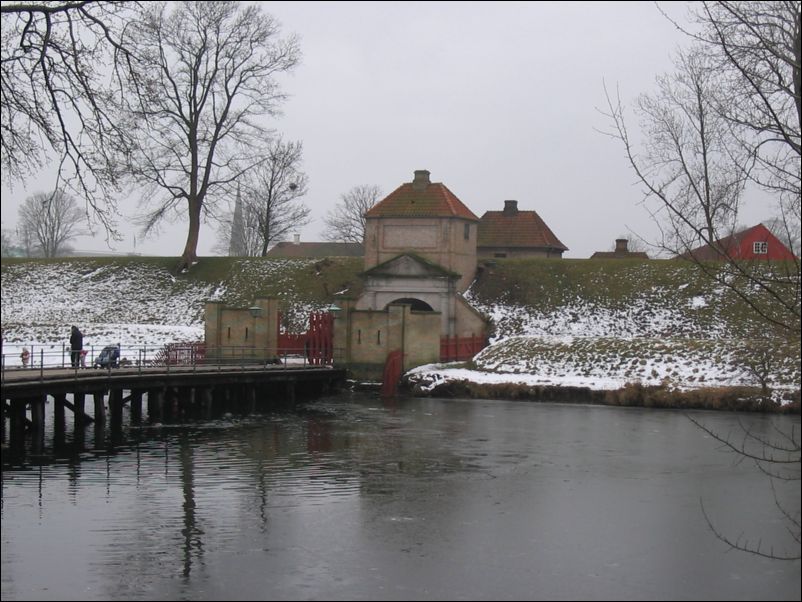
(181, 354)
(460, 348)
(317, 343)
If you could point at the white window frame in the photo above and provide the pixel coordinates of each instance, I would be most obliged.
(760, 247)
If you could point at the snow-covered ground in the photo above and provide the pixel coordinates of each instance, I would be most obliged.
(139, 308)
(603, 363)
(653, 338)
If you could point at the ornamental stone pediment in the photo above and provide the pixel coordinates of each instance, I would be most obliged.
(409, 265)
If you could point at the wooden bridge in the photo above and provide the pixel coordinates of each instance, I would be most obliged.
(168, 390)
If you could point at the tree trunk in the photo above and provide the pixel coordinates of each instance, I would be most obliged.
(190, 255)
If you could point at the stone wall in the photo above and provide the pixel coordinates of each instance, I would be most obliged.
(364, 338)
(243, 333)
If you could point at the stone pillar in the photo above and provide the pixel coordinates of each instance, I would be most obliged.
(343, 322)
(213, 328)
(265, 325)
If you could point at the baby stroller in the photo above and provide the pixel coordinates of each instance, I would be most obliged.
(109, 358)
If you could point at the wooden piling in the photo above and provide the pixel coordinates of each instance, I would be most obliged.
(136, 407)
(18, 422)
(59, 418)
(38, 423)
(79, 411)
(116, 410)
(100, 407)
(207, 395)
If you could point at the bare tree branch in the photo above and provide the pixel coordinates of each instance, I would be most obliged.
(61, 67)
(777, 458)
(270, 207)
(346, 222)
(208, 82)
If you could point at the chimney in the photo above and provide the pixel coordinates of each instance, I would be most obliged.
(296, 239)
(510, 207)
(421, 180)
(621, 245)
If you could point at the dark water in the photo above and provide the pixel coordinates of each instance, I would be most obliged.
(350, 498)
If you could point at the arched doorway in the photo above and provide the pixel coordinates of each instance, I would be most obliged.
(417, 304)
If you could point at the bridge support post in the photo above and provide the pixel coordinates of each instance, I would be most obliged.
(155, 404)
(18, 420)
(79, 401)
(100, 407)
(136, 407)
(116, 411)
(59, 418)
(207, 394)
(251, 393)
(38, 423)
(59, 415)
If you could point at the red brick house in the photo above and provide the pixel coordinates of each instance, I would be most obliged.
(756, 242)
(516, 233)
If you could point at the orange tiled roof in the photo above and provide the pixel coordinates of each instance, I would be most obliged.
(434, 200)
(520, 229)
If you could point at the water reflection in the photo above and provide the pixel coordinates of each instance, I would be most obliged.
(350, 498)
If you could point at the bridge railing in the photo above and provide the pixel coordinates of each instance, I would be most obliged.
(192, 354)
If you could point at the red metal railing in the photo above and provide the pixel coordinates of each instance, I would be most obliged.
(181, 354)
(316, 344)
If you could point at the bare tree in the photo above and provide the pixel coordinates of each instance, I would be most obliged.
(756, 48)
(49, 221)
(346, 222)
(271, 206)
(61, 62)
(6, 243)
(209, 80)
(727, 121)
(782, 230)
(778, 457)
(728, 118)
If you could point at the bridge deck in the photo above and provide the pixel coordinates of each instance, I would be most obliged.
(16, 382)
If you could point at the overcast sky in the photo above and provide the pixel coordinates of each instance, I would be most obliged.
(498, 101)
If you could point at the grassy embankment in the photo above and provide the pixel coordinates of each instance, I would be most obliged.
(669, 336)
(613, 316)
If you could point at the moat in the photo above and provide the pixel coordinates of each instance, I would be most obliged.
(350, 497)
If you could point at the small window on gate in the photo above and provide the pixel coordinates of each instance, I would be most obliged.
(378, 337)
(246, 333)
(359, 337)
(229, 332)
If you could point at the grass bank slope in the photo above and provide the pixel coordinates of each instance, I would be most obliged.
(139, 301)
(613, 298)
(593, 323)
(606, 324)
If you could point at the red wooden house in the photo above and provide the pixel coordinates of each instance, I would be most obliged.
(756, 242)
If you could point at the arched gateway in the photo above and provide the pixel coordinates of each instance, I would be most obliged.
(414, 304)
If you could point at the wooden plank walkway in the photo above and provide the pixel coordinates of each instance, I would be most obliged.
(56, 380)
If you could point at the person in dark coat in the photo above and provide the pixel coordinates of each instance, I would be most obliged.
(76, 345)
